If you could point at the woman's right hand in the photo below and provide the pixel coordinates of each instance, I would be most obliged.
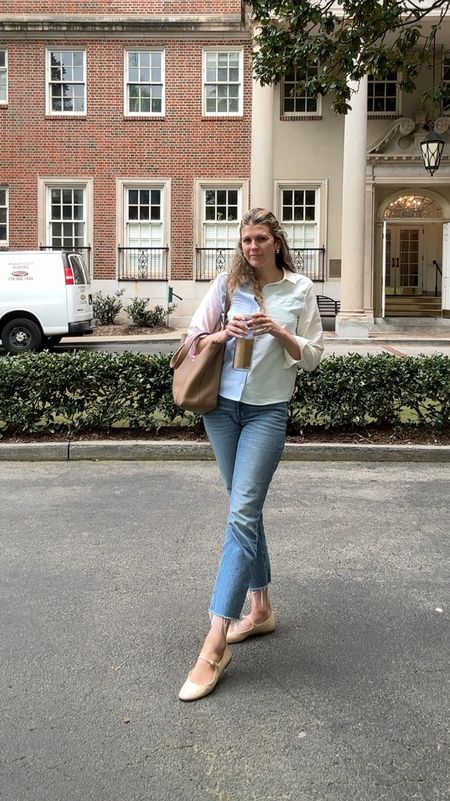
(237, 326)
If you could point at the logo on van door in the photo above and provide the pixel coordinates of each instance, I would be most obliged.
(19, 273)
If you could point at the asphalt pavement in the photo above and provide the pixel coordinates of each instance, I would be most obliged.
(105, 574)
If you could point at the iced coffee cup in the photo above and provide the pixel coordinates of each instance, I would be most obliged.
(243, 351)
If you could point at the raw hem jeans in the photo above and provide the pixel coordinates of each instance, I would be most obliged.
(248, 442)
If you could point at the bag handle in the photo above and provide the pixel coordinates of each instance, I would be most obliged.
(179, 357)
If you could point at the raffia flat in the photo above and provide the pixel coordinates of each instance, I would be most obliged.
(266, 627)
(191, 691)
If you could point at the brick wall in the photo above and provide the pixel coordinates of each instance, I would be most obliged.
(105, 145)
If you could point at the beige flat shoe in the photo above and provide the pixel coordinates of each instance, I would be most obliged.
(191, 691)
(266, 627)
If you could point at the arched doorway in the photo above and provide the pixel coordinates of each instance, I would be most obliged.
(412, 268)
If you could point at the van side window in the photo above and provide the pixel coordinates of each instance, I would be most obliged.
(78, 269)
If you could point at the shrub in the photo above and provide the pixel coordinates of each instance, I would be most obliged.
(356, 391)
(141, 315)
(86, 391)
(107, 307)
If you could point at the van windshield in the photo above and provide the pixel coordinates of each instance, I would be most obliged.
(79, 270)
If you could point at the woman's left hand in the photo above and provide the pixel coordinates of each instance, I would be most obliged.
(260, 323)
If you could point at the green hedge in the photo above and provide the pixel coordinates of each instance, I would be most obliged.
(86, 392)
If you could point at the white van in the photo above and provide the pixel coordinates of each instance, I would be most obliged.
(44, 295)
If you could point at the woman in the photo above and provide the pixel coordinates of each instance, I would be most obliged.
(247, 429)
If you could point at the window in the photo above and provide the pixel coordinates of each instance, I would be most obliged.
(144, 82)
(408, 206)
(3, 216)
(299, 217)
(446, 82)
(219, 210)
(383, 95)
(303, 217)
(297, 101)
(3, 76)
(222, 82)
(66, 217)
(144, 256)
(66, 82)
(79, 272)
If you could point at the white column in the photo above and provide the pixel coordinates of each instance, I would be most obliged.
(261, 190)
(352, 320)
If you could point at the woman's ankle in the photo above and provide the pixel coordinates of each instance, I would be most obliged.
(261, 607)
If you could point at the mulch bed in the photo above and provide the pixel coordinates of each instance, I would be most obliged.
(124, 330)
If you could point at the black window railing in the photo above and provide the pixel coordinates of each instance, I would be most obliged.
(84, 250)
(211, 261)
(310, 262)
(143, 264)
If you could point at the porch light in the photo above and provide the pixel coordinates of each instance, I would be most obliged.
(431, 149)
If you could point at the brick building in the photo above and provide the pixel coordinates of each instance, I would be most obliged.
(135, 131)
(126, 131)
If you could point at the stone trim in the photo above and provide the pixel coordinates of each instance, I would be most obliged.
(123, 25)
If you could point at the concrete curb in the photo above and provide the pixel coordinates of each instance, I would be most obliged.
(176, 450)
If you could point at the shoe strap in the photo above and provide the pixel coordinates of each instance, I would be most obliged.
(209, 661)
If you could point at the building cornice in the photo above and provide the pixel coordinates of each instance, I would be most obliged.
(116, 26)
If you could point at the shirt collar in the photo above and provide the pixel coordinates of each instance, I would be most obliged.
(289, 276)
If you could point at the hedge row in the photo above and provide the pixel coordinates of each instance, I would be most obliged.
(86, 392)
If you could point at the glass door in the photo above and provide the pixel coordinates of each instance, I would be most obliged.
(404, 257)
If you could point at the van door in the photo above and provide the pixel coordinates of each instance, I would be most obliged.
(79, 291)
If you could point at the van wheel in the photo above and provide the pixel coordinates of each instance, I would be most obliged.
(21, 335)
(49, 342)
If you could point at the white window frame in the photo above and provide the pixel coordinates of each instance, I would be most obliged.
(4, 69)
(44, 201)
(122, 187)
(127, 112)
(218, 50)
(48, 83)
(321, 189)
(289, 115)
(383, 114)
(5, 242)
(241, 185)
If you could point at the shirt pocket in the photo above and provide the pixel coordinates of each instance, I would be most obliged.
(287, 312)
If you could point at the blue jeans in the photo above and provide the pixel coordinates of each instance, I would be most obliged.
(248, 442)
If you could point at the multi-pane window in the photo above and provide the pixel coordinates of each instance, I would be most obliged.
(3, 76)
(299, 216)
(382, 94)
(67, 82)
(296, 100)
(144, 256)
(221, 211)
(446, 82)
(3, 215)
(221, 215)
(300, 220)
(145, 82)
(222, 82)
(66, 217)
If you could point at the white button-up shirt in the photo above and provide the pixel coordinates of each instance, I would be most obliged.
(271, 376)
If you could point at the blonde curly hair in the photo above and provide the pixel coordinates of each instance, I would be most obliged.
(241, 271)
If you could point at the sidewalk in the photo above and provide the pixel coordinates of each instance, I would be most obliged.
(414, 336)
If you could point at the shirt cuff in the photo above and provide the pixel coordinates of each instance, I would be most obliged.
(310, 357)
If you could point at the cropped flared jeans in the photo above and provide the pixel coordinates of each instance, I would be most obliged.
(248, 442)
